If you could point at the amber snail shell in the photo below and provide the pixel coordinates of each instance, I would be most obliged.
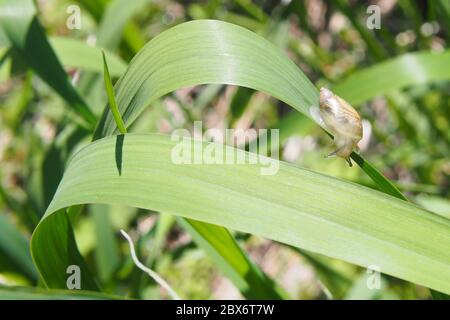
(342, 120)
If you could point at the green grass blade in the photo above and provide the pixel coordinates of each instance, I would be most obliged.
(439, 295)
(115, 19)
(112, 100)
(296, 206)
(384, 184)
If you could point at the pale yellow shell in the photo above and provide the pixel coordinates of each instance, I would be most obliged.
(342, 120)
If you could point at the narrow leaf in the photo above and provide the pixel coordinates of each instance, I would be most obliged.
(304, 209)
(112, 100)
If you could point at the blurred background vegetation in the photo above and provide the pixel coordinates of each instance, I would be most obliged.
(406, 128)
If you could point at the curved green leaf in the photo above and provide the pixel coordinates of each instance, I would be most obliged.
(211, 51)
(58, 251)
(296, 206)
(207, 51)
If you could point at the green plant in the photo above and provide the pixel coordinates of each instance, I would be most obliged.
(298, 207)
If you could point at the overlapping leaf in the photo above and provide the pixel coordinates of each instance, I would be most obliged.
(295, 206)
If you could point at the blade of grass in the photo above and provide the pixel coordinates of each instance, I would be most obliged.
(111, 98)
(384, 184)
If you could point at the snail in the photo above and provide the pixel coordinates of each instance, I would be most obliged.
(342, 121)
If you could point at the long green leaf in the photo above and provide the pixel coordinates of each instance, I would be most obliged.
(208, 51)
(296, 206)
(111, 97)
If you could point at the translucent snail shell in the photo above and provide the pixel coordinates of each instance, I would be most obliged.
(342, 121)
